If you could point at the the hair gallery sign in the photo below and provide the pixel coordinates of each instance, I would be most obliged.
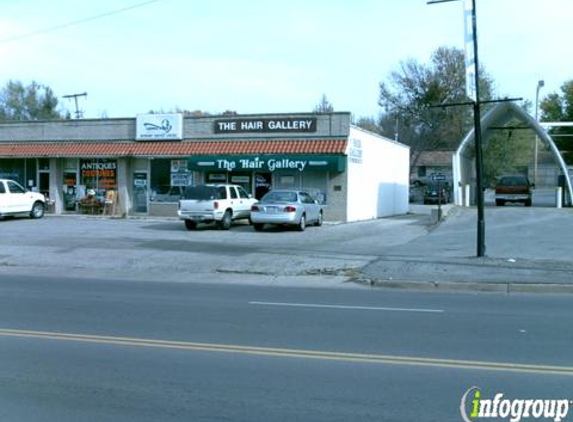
(156, 127)
(286, 124)
(267, 163)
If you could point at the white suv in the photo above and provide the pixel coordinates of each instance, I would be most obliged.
(214, 203)
(14, 200)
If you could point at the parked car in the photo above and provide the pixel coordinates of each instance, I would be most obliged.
(14, 200)
(286, 207)
(219, 203)
(437, 193)
(513, 188)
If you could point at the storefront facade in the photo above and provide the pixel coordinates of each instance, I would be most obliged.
(144, 164)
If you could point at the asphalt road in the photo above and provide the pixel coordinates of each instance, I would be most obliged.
(101, 349)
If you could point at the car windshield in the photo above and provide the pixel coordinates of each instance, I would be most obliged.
(279, 197)
(513, 181)
(202, 193)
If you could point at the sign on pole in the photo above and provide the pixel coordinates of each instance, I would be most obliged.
(469, 48)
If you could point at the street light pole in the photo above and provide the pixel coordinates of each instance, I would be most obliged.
(478, 144)
(477, 131)
(540, 84)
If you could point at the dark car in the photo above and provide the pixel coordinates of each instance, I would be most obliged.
(437, 193)
(513, 188)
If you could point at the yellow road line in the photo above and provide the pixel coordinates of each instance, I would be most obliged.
(294, 353)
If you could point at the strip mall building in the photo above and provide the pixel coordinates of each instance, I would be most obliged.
(149, 160)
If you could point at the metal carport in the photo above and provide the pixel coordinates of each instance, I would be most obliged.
(499, 115)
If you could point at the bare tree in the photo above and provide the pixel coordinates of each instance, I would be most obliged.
(410, 94)
(324, 106)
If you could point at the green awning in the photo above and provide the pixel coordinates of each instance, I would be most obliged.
(270, 162)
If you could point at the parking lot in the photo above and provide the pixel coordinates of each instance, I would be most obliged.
(162, 249)
(151, 248)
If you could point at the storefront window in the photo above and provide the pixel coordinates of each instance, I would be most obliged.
(97, 177)
(99, 174)
(160, 175)
(13, 169)
(287, 181)
(43, 164)
(243, 180)
(263, 184)
(314, 182)
(169, 177)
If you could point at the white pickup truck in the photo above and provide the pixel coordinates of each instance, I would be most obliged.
(218, 203)
(14, 200)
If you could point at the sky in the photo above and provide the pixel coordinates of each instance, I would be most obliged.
(267, 56)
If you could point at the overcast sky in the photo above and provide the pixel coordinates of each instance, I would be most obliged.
(266, 56)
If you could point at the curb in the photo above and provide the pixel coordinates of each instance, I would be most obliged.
(483, 287)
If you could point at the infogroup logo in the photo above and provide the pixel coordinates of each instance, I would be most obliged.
(513, 409)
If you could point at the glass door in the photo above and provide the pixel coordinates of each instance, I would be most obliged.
(140, 191)
(70, 187)
(44, 185)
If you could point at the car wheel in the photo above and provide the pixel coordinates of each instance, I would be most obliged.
(37, 210)
(528, 202)
(258, 226)
(499, 202)
(225, 223)
(318, 222)
(301, 224)
(190, 225)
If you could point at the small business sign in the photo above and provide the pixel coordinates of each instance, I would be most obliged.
(159, 127)
(355, 151)
(240, 179)
(178, 166)
(99, 173)
(287, 124)
(181, 179)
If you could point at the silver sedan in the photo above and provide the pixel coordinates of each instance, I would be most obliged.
(286, 207)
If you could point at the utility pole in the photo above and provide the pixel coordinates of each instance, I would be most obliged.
(540, 84)
(472, 69)
(79, 114)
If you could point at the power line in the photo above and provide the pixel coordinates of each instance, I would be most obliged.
(77, 22)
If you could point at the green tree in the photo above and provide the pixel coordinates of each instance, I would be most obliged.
(409, 96)
(32, 102)
(559, 108)
(507, 151)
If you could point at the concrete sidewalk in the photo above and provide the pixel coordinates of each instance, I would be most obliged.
(528, 250)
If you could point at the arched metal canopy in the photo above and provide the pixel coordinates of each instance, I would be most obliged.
(499, 115)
